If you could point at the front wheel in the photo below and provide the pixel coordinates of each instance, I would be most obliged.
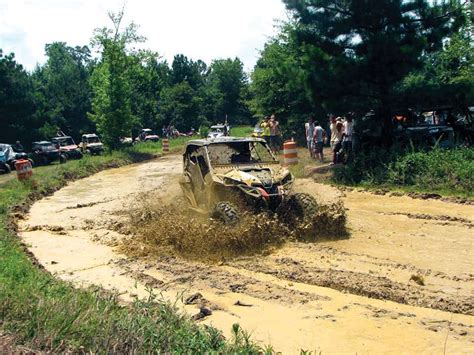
(226, 213)
(298, 207)
(62, 159)
(6, 168)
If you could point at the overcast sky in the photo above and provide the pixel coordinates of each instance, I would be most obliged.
(200, 29)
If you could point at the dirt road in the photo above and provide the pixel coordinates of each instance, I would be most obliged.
(361, 294)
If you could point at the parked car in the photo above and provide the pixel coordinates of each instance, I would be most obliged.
(67, 147)
(44, 153)
(91, 144)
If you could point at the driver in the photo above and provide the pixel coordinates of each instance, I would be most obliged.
(243, 157)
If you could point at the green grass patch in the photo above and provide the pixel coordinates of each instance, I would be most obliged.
(48, 314)
(441, 171)
(241, 131)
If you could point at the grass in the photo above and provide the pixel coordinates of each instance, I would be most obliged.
(50, 315)
(241, 131)
(441, 171)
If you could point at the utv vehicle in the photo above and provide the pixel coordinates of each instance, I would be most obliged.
(67, 147)
(224, 176)
(6, 153)
(147, 135)
(45, 152)
(91, 144)
(218, 131)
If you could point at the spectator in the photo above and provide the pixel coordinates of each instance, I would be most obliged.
(275, 134)
(336, 127)
(17, 147)
(266, 129)
(309, 131)
(347, 137)
(319, 137)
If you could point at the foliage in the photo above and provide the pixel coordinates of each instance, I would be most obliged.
(439, 170)
(340, 56)
(16, 100)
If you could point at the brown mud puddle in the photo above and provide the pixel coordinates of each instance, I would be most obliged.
(346, 295)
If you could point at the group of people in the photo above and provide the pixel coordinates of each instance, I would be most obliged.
(341, 132)
(272, 133)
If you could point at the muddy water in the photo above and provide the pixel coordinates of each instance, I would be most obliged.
(347, 295)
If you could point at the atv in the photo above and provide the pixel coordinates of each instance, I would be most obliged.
(67, 147)
(225, 176)
(6, 153)
(91, 144)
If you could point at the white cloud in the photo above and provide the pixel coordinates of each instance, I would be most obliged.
(204, 29)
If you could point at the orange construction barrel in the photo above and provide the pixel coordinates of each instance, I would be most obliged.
(290, 153)
(166, 145)
(24, 170)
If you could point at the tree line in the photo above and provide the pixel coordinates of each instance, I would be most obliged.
(330, 56)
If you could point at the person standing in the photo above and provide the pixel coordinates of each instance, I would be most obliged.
(274, 135)
(319, 137)
(309, 131)
(347, 137)
(266, 129)
(336, 136)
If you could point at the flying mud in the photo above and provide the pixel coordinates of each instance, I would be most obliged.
(400, 280)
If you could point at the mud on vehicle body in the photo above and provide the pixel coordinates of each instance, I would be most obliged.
(224, 176)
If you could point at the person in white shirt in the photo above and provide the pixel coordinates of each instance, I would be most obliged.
(309, 130)
(347, 136)
(319, 137)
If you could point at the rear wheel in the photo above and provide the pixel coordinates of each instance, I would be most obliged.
(226, 213)
(62, 159)
(6, 168)
(297, 208)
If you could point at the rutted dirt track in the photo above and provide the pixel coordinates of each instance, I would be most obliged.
(347, 295)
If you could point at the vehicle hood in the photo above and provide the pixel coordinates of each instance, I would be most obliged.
(69, 147)
(265, 174)
(95, 145)
(152, 136)
(215, 134)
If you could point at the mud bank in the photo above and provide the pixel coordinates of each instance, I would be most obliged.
(342, 295)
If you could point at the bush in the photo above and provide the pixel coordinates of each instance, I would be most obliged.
(449, 171)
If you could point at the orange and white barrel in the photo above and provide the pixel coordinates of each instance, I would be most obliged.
(166, 145)
(24, 170)
(290, 153)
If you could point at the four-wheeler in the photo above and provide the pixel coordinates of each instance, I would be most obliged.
(147, 135)
(91, 144)
(67, 147)
(223, 176)
(45, 152)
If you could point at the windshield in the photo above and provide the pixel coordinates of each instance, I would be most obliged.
(65, 142)
(93, 140)
(45, 146)
(239, 153)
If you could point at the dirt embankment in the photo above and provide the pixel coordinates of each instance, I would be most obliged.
(405, 271)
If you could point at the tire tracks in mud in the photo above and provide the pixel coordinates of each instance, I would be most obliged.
(361, 284)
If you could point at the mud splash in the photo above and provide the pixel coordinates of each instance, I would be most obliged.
(158, 229)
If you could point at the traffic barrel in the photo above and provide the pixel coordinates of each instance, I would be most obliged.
(24, 170)
(290, 153)
(166, 145)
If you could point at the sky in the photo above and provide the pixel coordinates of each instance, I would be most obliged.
(199, 29)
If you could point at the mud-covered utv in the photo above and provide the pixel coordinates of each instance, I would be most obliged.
(223, 176)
